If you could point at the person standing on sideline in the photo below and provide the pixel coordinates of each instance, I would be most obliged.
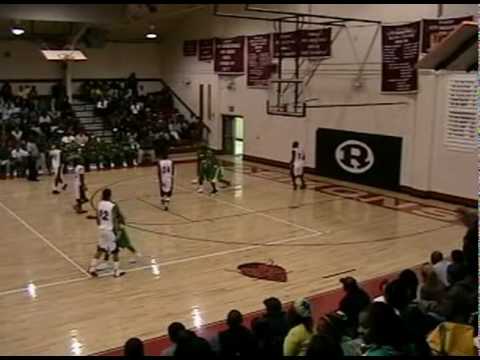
(79, 187)
(108, 221)
(166, 173)
(57, 169)
(33, 155)
(296, 165)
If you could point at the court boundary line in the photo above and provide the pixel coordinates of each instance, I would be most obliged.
(44, 239)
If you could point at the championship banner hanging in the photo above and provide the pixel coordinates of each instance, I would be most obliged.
(435, 30)
(286, 44)
(190, 48)
(400, 51)
(315, 43)
(259, 57)
(230, 55)
(205, 50)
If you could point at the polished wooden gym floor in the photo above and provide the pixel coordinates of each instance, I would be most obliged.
(188, 271)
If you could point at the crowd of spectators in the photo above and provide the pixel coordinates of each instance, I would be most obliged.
(143, 125)
(432, 313)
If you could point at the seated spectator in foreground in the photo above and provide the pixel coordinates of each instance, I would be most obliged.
(419, 324)
(298, 338)
(237, 340)
(411, 281)
(323, 346)
(458, 261)
(432, 289)
(461, 300)
(335, 326)
(68, 138)
(440, 266)
(192, 346)
(386, 334)
(275, 325)
(174, 331)
(133, 348)
(354, 301)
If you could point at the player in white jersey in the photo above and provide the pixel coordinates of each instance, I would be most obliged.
(297, 164)
(57, 169)
(79, 187)
(166, 173)
(108, 221)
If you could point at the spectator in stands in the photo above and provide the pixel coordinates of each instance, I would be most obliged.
(440, 266)
(17, 134)
(336, 326)
(398, 295)
(133, 348)
(19, 160)
(461, 300)
(45, 121)
(354, 301)
(146, 148)
(81, 138)
(4, 160)
(470, 240)
(135, 107)
(386, 334)
(237, 340)
(6, 91)
(432, 289)
(192, 346)
(174, 331)
(132, 84)
(298, 338)
(323, 346)
(68, 138)
(457, 260)
(410, 279)
(276, 326)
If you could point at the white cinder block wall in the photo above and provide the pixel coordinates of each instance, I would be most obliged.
(426, 164)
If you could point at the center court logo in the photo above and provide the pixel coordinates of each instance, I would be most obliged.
(354, 156)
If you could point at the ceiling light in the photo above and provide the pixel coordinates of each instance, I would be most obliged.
(17, 30)
(151, 34)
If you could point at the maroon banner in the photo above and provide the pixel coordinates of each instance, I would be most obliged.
(435, 30)
(259, 57)
(230, 55)
(400, 51)
(190, 48)
(205, 50)
(287, 43)
(315, 43)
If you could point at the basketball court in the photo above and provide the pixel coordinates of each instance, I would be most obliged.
(188, 271)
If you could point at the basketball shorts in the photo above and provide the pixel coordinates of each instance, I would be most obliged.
(107, 241)
(297, 170)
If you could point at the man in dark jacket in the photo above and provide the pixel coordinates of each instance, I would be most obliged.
(354, 301)
(237, 340)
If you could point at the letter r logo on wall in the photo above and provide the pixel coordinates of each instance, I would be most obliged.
(354, 156)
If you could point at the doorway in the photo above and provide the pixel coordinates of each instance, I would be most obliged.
(233, 135)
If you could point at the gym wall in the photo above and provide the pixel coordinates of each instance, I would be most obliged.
(426, 163)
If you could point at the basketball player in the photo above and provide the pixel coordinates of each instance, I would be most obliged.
(57, 169)
(79, 187)
(296, 165)
(166, 173)
(108, 222)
